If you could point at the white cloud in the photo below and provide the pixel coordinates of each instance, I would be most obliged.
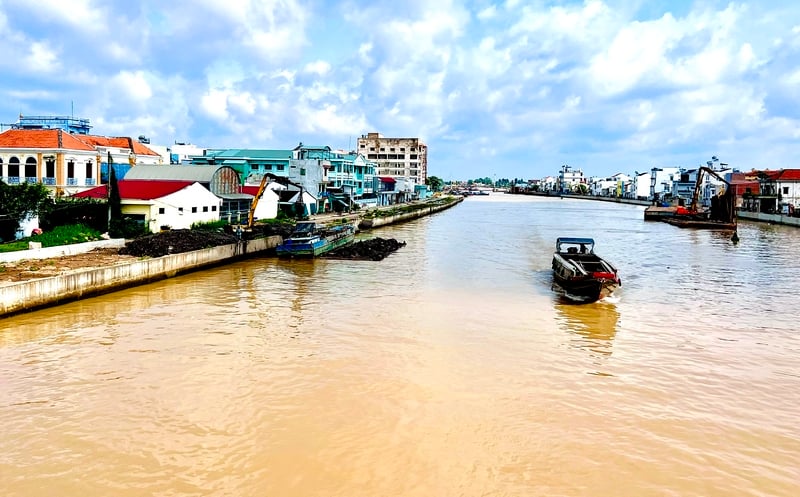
(133, 85)
(567, 78)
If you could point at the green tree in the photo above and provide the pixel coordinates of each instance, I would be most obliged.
(435, 183)
(18, 202)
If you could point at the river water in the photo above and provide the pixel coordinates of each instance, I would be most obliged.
(451, 368)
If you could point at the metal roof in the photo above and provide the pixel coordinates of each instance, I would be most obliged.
(202, 174)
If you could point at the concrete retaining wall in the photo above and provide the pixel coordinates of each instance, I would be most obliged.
(61, 250)
(29, 295)
(366, 224)
(769, 218)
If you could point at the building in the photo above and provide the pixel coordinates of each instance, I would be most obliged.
(161, 205)
(569, 180)
(222, 181)
(66, 163)
(52, 157)
(396, 157)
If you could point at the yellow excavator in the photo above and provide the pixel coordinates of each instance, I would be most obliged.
(251, 219)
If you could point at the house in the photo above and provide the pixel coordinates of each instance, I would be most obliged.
(779, 191)
(66, 163)
(52, 157)
(222, 181)
(160, 205)
(121, 153)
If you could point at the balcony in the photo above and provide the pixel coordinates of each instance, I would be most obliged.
(31, 179)
(72, 181)
(89, 182)
(11, 180)
(49, 181)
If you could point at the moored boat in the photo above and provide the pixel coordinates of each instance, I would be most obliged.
(582, 273)
(310, 239)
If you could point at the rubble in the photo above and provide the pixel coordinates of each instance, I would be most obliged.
(374, 249)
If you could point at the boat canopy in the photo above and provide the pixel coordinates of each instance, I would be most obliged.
(575, 240)
(585, 244)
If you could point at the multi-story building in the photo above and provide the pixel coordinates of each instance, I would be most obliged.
(65, 163)
(569, 179)
(396, 157)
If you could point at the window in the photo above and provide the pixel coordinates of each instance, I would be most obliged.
(161, 210)
(30, 168)
(213, 208)
(786, 190)
(89, 169)
(180, 209)
(205, 208)
(71, 169)
(13, 167)
(280, 167)
(194, 210)
(302, 171)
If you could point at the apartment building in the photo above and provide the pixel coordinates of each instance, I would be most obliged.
(396, 157)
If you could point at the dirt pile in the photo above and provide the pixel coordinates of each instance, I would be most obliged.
(374, 249)
(175, 242)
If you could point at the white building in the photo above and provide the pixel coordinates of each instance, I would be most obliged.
(160, 205)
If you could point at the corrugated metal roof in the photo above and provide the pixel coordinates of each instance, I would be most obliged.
(202, 174)
(253, 154)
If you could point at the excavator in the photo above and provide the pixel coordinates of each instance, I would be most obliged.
(251, 219)
(722, 206)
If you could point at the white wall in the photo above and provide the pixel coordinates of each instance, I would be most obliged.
(178, 208)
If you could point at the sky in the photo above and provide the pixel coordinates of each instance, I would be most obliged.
(512, 89)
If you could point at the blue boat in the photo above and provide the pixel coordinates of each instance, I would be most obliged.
(310, 239)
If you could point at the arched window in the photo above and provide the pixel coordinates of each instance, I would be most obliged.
(2, 169)
(30, 170)
(13, 171)
(89, 172)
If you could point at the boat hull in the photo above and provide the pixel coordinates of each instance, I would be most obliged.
(314, 246)
(588, 289)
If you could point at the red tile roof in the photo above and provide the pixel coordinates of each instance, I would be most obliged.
(138, 189)
(118, 142)
(790, 175)
(41, 138)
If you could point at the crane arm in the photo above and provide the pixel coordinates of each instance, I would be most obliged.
(251, 215)
(698, 185)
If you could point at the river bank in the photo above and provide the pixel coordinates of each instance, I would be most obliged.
(761, 217)
(75, 272)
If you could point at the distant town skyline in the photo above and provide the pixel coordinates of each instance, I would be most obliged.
(506, 89)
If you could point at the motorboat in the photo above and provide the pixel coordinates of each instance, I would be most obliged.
(580, 272)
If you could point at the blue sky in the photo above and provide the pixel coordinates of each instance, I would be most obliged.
(504, 89)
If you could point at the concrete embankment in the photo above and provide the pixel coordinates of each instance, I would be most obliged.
(374, 222)
(44, 292)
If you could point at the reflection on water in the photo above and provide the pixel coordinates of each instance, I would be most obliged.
(448, 368)
(594, 324)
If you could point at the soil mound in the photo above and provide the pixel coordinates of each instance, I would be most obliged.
(374, 249)
(175, 242)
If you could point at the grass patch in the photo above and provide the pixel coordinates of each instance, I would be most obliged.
(61, 235)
